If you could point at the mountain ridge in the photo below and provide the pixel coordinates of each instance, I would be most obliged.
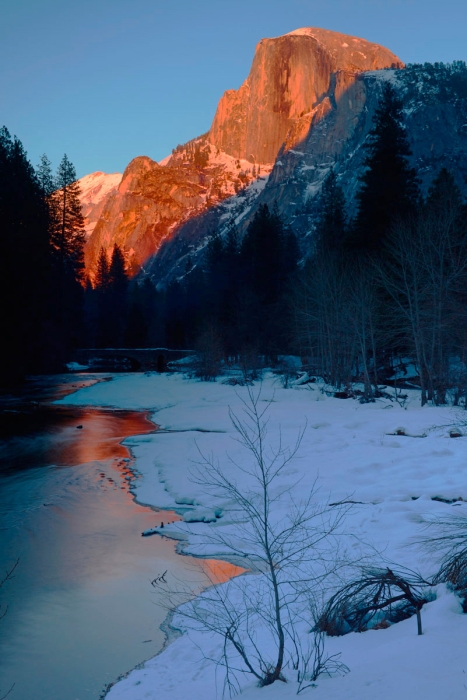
(434, 100)
(292, 83)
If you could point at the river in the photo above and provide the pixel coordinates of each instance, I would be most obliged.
(80, 608)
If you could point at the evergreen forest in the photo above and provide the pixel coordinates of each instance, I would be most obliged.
(384, 290)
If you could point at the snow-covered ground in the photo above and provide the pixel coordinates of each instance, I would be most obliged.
(355, 453)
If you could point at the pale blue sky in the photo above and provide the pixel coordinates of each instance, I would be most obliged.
(107, 80)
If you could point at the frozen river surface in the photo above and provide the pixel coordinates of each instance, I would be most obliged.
(81, 609)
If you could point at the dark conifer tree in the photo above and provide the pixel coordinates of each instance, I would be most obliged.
(91, 319)
(229, 312)
(261, 254)
(118, 285)
(231, 242)
(331, 225)
(388, 187)
(268, 258)
(24, 266)
(290, 255)
(45, 177)
(175, 316)
(103, 300)
(444, 194)
(214, 254)
(197, 303)
(68, 238)
(102, 276)
(118, 278)
(137, 326)
(221, 281)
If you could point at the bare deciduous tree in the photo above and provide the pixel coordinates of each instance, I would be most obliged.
(322, 318)
(314, 662)
(425, 267)
(291, 545)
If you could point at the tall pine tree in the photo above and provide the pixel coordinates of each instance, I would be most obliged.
(45, 177)
(118, 286)
(67, 239)
(101, 295)
(388, 187)
(268, 260)
(68, 236)
(102, 276)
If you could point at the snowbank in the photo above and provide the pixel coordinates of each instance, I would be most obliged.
(357, 453)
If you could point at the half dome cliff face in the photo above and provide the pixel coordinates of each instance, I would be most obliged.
(294, 81)
(290, 78)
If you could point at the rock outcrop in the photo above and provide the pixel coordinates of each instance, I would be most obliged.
(292, 78)
(295, 80)
(434, 102)
(152, 200)
(137, 214)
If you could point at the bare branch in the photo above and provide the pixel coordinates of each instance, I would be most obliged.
(293, 550)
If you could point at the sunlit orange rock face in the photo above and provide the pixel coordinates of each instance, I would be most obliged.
(136, 216)
(294, 81)
(152, 200)
(290, 77)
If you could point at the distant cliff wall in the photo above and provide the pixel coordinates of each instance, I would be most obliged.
(290, 78)
(435, 113)
(295, 80)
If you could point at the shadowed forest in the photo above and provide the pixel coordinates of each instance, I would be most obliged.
(379, 292)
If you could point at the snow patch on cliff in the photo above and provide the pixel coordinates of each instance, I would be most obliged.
(96, 186)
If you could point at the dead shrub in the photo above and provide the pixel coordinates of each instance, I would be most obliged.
(377, 595)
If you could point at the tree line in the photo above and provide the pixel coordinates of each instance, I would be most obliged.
(383, 290)
(391, 283)
(385, 287)
(235, 300)
(42, 231)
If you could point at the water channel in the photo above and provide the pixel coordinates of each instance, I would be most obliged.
(80, 608)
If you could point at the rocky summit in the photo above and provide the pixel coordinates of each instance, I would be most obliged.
(434, 99)
(295, 80)
(307, 106)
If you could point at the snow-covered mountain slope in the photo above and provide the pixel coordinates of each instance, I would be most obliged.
(95, 187)
(435, 111)
(192, 235)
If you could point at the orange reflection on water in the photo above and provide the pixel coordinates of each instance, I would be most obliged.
(98, 439)
(101, 432)
(220, 571)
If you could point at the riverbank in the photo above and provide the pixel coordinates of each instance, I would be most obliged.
(81, 608)
(398, 463)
